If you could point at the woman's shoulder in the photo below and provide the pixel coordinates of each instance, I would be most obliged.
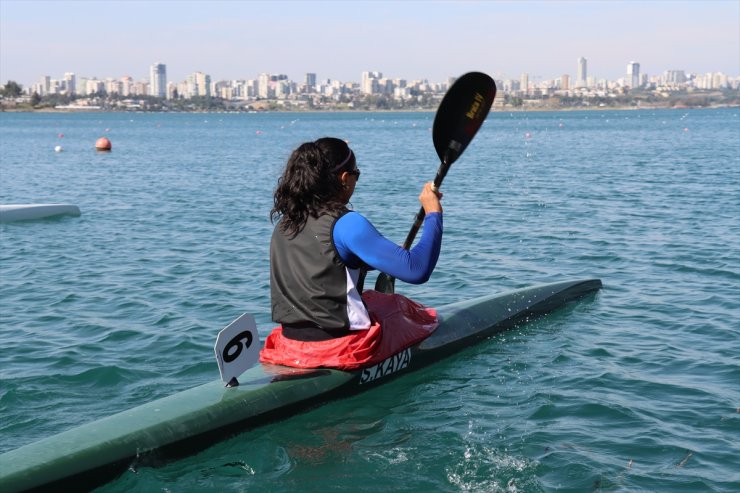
(353, 224)
(353, 217)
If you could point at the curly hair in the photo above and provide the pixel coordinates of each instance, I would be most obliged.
(310, 183)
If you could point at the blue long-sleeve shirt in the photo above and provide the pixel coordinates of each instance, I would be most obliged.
(357, 239)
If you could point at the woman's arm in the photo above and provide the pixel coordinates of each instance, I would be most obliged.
(357, 239)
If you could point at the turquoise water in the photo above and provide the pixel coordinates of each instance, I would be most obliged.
(637, 389)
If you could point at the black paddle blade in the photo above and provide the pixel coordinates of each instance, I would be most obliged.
(459, 116)
(461, 113)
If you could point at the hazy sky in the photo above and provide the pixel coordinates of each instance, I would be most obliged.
(239, 39)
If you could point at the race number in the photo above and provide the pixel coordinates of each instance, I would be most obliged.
(237, 347)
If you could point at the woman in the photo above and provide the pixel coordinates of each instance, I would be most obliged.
(320, 249)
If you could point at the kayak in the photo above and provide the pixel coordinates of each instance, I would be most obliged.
(25, 212)
(188, 421)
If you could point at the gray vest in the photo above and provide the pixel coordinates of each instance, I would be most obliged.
(310, 285)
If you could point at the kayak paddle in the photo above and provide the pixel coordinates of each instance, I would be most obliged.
(459, 116)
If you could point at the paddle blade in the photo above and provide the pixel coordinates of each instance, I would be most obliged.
(385, 283)
(461, 113)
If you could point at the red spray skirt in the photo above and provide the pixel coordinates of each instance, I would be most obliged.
(397, 323)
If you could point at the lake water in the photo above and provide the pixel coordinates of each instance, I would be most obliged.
(637, 389)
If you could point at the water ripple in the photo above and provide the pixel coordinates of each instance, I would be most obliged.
(634, 389)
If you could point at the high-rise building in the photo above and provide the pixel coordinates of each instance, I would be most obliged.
(369, 83)
(70, 84)
(311, 80)
(127, 85)
(264, 87)
(282, 88)
(158, 80)
(673, 77)
(198, 84)
(582, 78)
(524, 83)
(633, 75)
(43, 87)
(113, 86)
(565, 82)
(172, 90)
(94, 86)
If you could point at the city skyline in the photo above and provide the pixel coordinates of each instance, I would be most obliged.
(202, 84)
(340, 40)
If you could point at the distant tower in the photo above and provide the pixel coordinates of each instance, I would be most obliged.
(311, 79)
(633, 74)
(70, 83)
(127, 84)
(524, 83)
(564, 82)
(369, 82)
(203, 83)
(263, 85)
(582, 72)
(198, 84)
(45, 85)
(674, 77)
(158, 80)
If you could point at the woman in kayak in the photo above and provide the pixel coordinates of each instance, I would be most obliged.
(320, 249)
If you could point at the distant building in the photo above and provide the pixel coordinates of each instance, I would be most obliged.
(582, 77)
(70, 84)
(140, 88)
(198, 84)
(524, 83)
(565, 82)
(158, 80)
(263, 86)
(113, 86)
(252, 86)
(282, 88)
(369, 83)
(633, 75)
(43, 86)
(674, 77)
(127, 85)
(94, 86)
(172, 90)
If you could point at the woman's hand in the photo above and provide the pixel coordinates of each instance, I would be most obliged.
(430, 200)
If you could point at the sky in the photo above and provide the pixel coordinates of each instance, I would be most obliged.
(338, 40)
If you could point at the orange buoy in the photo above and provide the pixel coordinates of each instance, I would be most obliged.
(103, 144)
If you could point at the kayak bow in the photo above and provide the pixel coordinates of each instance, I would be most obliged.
(188, 421)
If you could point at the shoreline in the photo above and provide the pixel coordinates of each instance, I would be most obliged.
(499, 109)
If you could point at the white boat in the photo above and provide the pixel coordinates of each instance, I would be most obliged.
(25, 212)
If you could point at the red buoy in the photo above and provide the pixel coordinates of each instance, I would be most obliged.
(103, 144)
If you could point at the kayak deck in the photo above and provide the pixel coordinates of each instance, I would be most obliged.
(188, 421)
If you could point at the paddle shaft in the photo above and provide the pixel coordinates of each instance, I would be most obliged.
(441, 173)
(459, 116)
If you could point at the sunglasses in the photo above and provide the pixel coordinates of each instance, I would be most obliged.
(355, 172)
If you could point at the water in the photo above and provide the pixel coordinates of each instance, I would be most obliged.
(637, 389)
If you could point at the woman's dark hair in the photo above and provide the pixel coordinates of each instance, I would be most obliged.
(310, 183)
